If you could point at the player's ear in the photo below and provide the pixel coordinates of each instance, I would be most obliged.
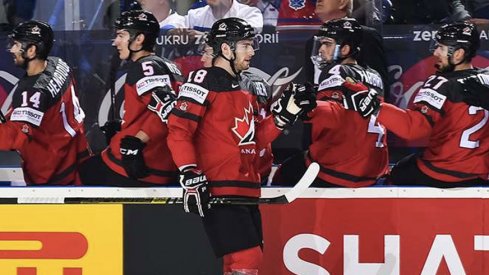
(226, 50)
(31, 51)
(345, 50)
(140, 38)
(458, 55)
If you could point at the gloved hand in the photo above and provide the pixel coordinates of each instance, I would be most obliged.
(195, 191)
(131, 149)
(110, 128)
(476, 93)
(305, 98)
(360, 98)
(285, 110)
(162, 102)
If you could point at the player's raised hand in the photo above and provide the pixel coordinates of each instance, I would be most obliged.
(305, 97)
(476, 91)
(195, 191)
(131, 149)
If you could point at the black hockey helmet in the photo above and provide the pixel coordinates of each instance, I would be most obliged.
(36, 33)
(459, 35)
(229, 30)
(345, 31)
(137, 22)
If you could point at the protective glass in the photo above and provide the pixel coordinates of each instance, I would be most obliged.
(317, 58)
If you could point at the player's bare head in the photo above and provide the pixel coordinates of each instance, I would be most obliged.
(337, 40)
(233, 39)
(455, 44)
(28, 34)
(332, 9)
(141, 25)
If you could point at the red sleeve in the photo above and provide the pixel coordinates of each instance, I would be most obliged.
(266, 132)
(182, 124)
(407, 124)
(152, 125)
(328, 114)
(13, 135)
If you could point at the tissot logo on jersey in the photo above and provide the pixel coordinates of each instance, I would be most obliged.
(150, 82)
(244, 127)
(27, 114)
(194, 92)
(330, 82)
(431, 97)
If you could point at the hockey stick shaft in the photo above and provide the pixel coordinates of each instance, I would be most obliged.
(304, 183)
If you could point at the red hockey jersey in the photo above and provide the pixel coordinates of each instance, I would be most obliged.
(458, 146)
(214, 126)
(143, 76)
(351, 150)
(45, 125)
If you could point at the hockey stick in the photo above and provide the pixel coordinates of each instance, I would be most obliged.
(304, 183)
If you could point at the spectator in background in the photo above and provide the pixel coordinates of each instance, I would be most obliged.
(429, 11)
(372, 53)
(201, 19)
(45, 122)
(164, 11)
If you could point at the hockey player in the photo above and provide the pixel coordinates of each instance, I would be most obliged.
(138, 155)
(214, 140)
(45, 122)
(262, 90)
(451, 111)
(351, 150)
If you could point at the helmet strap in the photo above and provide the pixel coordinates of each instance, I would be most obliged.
(131, 39)
(232, 59)
(451, 65)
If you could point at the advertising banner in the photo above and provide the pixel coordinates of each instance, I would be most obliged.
(61, 240)
(370, 236)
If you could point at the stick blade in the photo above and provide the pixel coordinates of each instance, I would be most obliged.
(304, 183)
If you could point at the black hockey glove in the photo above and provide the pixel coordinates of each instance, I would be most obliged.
(360, 98)
(305, 98)
(475, 92)
(111, 128)
(131, 149)
(195, 191)
(162, 102)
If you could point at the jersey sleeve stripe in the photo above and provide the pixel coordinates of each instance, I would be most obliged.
(156, 172)
(341, 175)
(456, 174)
(186, 115)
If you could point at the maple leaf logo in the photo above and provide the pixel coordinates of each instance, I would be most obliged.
(244, 128)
